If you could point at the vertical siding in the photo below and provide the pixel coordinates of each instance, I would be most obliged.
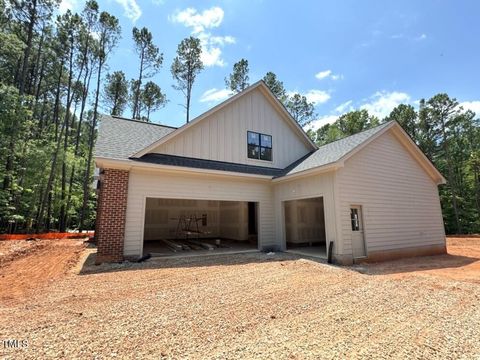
(223, 135)
(401, 206)
(308, 187)
(201, 187)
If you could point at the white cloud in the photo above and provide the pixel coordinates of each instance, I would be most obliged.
(71, 5)
(313, 95)
(317, 96)
(200, 22)
(158, 2)
(130, 9)
(472, 105)
(211, 48)
(346, 106)
(317, 124)
(323, 74)
(214, 95)
(222, 40)
(382, 102)
(328, 74)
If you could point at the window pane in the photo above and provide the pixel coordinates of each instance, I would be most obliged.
(253, 138)
(266, 154)
(266, 141)
(253, 151)
(354, 219)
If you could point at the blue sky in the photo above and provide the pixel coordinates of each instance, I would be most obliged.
(342, 55)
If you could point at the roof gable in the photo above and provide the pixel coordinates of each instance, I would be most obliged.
(337, 152)
(260, 85)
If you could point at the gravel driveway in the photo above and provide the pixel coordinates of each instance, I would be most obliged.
(253, 306)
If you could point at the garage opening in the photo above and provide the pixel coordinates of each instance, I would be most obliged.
(193, 227)
(305, 226)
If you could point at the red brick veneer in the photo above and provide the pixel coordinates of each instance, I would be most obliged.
(111, 212)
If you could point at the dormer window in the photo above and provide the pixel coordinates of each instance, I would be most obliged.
(259, 146)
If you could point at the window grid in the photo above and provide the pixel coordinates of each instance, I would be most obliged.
(259, 146)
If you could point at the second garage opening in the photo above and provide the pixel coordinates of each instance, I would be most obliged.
(305, 226)
(188, 226)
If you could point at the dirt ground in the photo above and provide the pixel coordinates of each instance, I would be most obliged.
(240, 307)
(27, 266)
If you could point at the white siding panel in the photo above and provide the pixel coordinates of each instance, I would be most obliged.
(401, 206)
(223, 135)
(303, 188)
(201, 187)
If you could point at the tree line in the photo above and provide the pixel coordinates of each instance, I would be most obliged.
(55, 81)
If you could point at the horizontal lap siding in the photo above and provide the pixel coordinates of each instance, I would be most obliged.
(200, 187)
(308, 187)
(223, 135)
(401, 206)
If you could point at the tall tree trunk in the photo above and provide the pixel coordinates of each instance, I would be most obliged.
(48, 191)
(63, 195)
(86, 86)
(36, 71)
(136, 105)
(39, 84)
(189, 93)
(28, 47)
(7, 180)
(42, 116)
(56, 106)
(86, 178)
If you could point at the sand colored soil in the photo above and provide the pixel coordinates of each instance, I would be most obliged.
(249, 306)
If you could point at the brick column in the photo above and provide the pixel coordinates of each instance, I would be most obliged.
(111, 213)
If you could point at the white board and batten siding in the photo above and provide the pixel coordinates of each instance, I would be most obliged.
(320, 185)
(400, 202)
(155, 184)
(222, 136)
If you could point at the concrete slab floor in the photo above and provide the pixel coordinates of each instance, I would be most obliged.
(158, 248)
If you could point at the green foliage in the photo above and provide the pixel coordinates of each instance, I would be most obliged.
(151, 60)
(45, 134)
(355, 121)
(346, 125)
(275, 86)
(301, 110)
(299, 107)
(238, 80)
(186, 66)
(152, 98)
(115, 93)
(406, 116)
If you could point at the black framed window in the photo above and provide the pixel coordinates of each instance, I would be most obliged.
(259, 146)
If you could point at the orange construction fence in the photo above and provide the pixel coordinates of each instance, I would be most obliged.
(47, 236)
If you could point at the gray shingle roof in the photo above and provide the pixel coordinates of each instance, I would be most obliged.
(332, 152)
(120, 138)
(173, 160)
